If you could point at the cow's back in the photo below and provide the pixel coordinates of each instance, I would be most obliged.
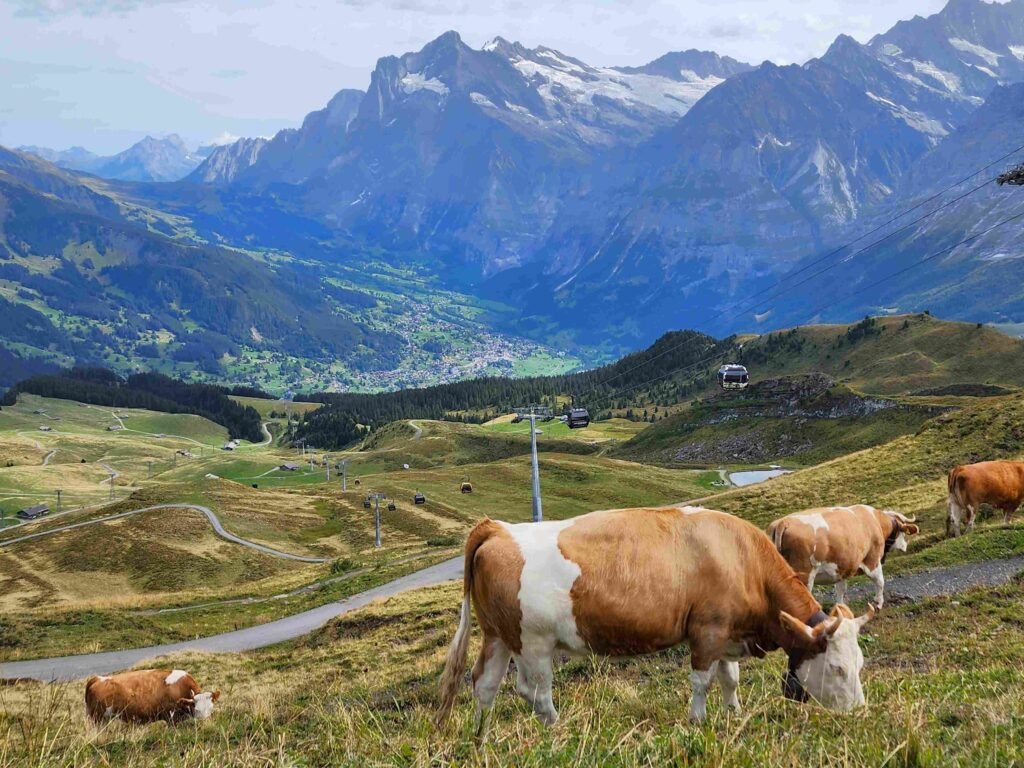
(999, 483)
(138, 696)
(626, 581)
(842, 537)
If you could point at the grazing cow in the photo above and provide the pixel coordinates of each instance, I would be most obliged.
(835, 543)
(635, 581)
(999, 483)
(146, 695)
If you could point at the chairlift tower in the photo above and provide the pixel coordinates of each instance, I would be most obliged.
(375, 497)
(534, 412)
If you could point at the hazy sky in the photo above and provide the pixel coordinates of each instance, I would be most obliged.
(104, 73)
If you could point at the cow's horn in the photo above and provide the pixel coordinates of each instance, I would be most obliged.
(867, 616)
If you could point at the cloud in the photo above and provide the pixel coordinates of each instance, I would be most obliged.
(225, 137)
(56, 8)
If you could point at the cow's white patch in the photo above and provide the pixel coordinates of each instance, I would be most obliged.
(823, 571)
(103, 678)
(689, 510)
(815, 520)
(900, 545)
(544, 587)
(203, 705)
(876, 575)
(833, 678)
(175, 676)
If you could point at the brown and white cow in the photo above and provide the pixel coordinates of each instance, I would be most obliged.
(147, 695)
(999, 483)
(634, 581)
(833, 544)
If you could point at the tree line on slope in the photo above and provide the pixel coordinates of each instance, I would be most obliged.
(345, 415)
(152, 391)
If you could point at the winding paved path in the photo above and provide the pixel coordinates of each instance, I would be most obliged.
(214, 521)
(910, 586)
(76, 667)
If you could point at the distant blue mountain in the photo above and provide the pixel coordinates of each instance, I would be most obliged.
(167, 159)
(614, 203)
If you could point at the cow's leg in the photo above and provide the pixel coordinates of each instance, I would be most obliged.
(876, 575)
(810, 578)
(729, 679)
(488, 673)
(701, 680)
(1007, 514)
(953, 519)
(533, 682)
(970, 518)
(841, 591)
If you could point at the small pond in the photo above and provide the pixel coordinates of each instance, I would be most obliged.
(749, 477)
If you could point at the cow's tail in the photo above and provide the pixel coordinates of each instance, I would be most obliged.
(777, 532)
(455, 664)
(956, 498)
(92, 708)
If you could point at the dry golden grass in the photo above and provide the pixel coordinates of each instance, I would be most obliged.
(942, 681)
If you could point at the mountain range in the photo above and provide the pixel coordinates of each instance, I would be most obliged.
(166, 159)
(601, 206)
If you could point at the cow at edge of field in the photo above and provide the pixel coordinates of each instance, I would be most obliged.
(635, 581)
(999, 483)
(833, 544)
(147, 695)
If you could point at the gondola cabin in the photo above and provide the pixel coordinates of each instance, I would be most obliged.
(419, 498)
(578, 418)
(366, 504)
(732, 376)
(391, 506)
(466, 487)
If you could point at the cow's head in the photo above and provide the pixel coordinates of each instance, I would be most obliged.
(200, 705)
(902, 527)
(825, 661)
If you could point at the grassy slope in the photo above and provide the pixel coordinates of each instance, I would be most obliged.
(927, 353)
(893, 360)
(83, 445)
(942, 681)
(907, 474)
(301, 513)
(797, 442)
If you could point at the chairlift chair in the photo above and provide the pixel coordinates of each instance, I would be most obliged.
(733, 376)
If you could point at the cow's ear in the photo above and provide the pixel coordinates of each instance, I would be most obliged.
(216, 695)
(187, 704)
(911, 530)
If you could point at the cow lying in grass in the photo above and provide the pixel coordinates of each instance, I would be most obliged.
(999, 483)
(635, 581)
(833, 544)
(147, 695)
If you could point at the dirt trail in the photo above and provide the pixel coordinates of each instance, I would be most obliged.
(908, 587)
(214, 521)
